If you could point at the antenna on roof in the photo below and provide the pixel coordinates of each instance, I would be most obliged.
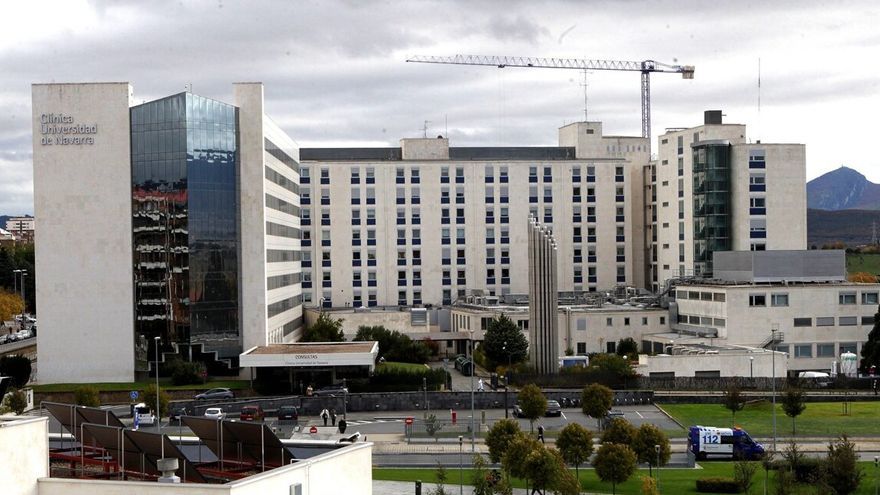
(425, 129)
(759, 100)
(584, 84)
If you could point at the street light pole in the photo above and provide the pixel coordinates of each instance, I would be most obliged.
(473, 411)
(506, 379)
(657, 449)
(158, 340)
(773, 329)
(752, 368)
(460, 473)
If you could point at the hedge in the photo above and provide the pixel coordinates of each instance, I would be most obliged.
(718, 485)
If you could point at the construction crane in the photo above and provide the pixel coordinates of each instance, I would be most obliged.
(646, 67)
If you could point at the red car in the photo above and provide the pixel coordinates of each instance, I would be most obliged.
(252, 413)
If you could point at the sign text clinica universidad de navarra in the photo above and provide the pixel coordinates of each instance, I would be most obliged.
(62, 129)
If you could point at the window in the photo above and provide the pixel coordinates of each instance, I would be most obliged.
(869, 298)
(867, 320)
(757, 202)
(824, 321)
(803, 351)
(757, 300)
(848, 321)
(581, 348)
(847, 298)
(847, 347)
(803, 322)
(779, 299)
(824, 350)
(609, 322)
(626, 322)
(719, 296)
(644, 321)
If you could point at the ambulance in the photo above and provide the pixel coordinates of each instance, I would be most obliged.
(705, 441)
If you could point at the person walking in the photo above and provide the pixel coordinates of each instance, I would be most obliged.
(309, 390)
(333, 416)
(325, 415)
(480, 385)
(541, 433)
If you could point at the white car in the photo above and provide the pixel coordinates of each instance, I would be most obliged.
(215, 413)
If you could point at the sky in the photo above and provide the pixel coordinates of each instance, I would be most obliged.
(335, 71)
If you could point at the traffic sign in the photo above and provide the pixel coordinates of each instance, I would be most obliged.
(313, 430)
(408, 421)
(133, 395)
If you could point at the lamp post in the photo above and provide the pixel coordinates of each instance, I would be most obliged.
(506, 379)
(460, 474)
(657, 450)
(876, 465)
(158, 340)
(773, 331)
(752, 368)
(473, 410)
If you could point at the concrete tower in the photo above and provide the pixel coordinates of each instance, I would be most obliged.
(543, 324)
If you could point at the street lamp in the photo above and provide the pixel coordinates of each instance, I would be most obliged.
(657, 450)
(773, 334)
(158, 340)
(506, 379)
(752, 368)
(876, 465)
(460, 467)
(473, 412)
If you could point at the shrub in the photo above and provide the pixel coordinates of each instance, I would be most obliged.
(15, 401)
(399, 380)
(18, 368)
(186, 373)
(149, 398)
(843, 472)
(86, 395)
(717, 485)
(743, 473)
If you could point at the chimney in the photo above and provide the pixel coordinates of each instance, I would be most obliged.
(712, 117)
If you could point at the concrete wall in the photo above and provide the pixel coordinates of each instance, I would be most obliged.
(82, 202)
(346, 470)
(19, 470)
(727, 363)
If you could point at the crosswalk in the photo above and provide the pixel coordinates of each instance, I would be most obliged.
(372, 421)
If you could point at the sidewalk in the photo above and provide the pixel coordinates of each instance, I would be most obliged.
(408, 488)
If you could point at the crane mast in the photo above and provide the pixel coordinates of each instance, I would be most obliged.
(645, 67)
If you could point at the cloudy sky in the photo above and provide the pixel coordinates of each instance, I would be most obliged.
(335, 73)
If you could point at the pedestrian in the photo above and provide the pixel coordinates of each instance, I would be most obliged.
(333, 416)
(342, 425)
(309, 390)
(541, 433)
(875, 386)
(325, 415)
(480, 385)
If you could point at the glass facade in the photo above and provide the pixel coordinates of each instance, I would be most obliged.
(711, 203)
(185, 227)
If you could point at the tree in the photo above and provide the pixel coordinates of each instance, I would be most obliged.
(504, 342)
(575, 443)
(645, 443)
(842, 471)
(733, 400)
(11, 304)
(612, 364)
(150, 399)
(442, 476)
(432, 425)
(649, 486)
(499, 437)
(627, 346)
(514, 459)
(793, 404)
(545, 469)
(87, 395)
(480, 477)
(743, 473)
(619, 430)
(596, 401)
(393, 345)
(614, 464)
(17, 367)
(532, 403)
(871, 348)
(324, 329)
(15, 401)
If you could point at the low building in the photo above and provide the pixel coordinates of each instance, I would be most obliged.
(22, 228)
(682, 359)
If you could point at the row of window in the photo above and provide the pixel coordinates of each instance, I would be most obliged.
(706, 321)
(828, 321)
(822, 350)
(844, 298)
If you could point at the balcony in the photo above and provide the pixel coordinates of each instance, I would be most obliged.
(371, 283)
(757, 211)
(758, 234)
(576, 199)
(371, 221)
(371, 180)
(756, 164)
(371, 242)
(355, 221)
(757, 187)
(307, 263)
(444, 179)
(305, 180)
(325, 221)
(355, 180)
(325, 242)
(325, 201)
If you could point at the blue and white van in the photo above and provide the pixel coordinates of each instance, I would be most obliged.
(705, 441)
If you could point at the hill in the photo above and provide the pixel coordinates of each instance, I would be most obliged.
(852, 227)
(843, 189)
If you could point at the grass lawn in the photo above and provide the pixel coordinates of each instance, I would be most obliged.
(671, 480)
(863, 263)
(391, 365)
(819, 419)
(118, 387)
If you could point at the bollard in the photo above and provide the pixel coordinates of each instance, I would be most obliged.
(418, 487)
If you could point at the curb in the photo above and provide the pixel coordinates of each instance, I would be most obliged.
(669, 416)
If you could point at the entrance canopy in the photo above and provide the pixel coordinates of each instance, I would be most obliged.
(312, 355)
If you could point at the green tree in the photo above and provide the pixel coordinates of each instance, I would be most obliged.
(480, 477)
(744, 473)
(393, 345)
(149, 398)
(612, 364)
(733, 400)
(87, 395)
(15, 401)
(543, 469)
(596, 401)
(871, 348)
(324, 329)
(614, 464)
(627, 347)
(432, 426)
(514, 459)
(533, 403)
(575, 443)
(18, 368)
(645, 443)
(504, 342)
(793, 404)
(442, 476)
(842, 471)
(499, 437)
(620, 431)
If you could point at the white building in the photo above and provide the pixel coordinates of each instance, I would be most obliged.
(740, 196)
(21, 227)
(425, 223)
(176, 218)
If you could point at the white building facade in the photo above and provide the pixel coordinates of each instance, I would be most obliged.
(175, 219)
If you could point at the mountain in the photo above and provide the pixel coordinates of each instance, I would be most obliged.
(852, 227)
(843, 189)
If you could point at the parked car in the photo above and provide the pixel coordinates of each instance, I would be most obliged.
(331, 391)
(215, 413)
(288, 413)
(251, 413)
(612, 415)
(143, 415)
(3, 339)
(177, 411)
(216, 393)
(553, 409)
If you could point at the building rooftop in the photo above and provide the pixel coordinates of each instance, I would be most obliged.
(314, 348)
(455, 153)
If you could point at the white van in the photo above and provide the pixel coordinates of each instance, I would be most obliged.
(144, 415)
